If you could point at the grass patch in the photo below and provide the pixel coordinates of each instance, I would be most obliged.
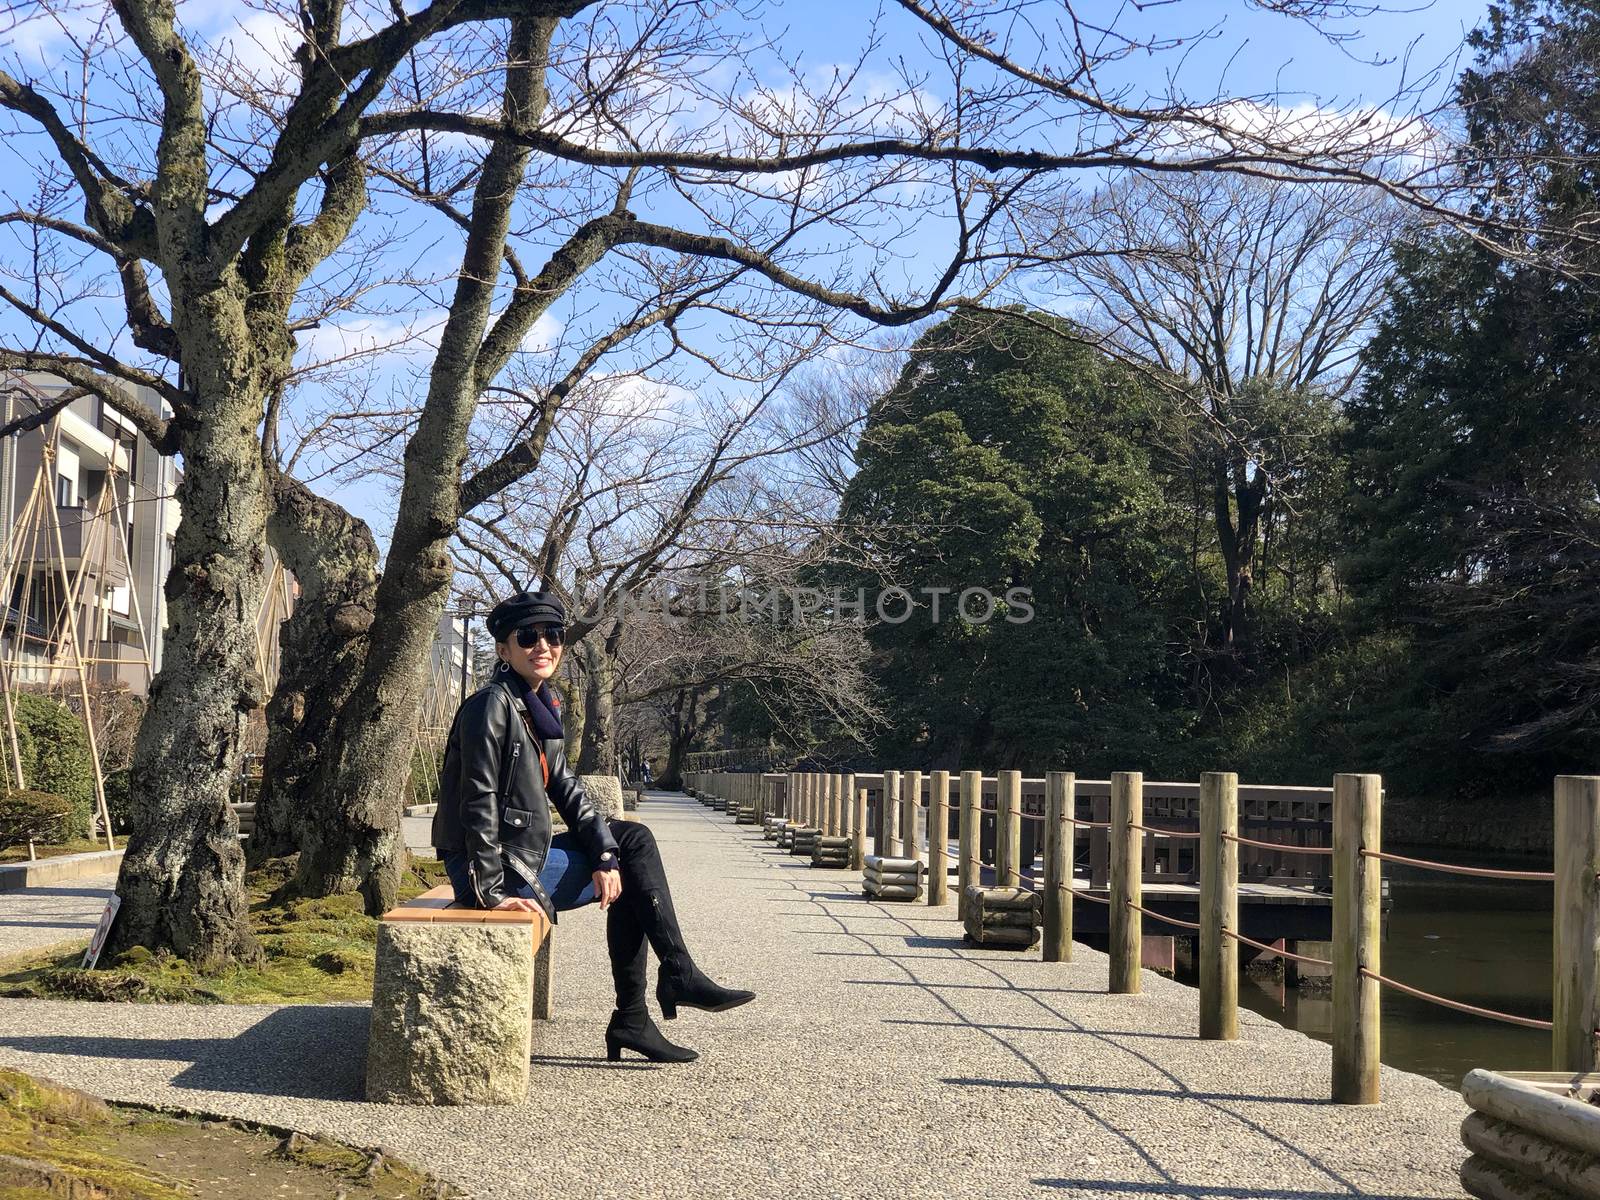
(16, 854)
(56, 1142)
(312, 952)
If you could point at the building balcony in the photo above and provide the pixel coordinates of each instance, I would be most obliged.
(77, 534)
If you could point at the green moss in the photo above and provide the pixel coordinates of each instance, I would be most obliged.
(314, 950)
(82, 1146)
(358, 1166)
(62, 1130)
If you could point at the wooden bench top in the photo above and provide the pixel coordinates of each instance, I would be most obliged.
(438, 906)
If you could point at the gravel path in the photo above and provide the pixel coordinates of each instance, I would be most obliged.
(881, 1058)
(59, 912)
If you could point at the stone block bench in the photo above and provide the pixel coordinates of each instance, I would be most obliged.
(453, 1000)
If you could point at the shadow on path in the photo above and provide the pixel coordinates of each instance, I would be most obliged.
(311, 1052)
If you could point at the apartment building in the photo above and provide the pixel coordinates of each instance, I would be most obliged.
(119, 593)
(109, 498)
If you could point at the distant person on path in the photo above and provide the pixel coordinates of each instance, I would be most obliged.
(504, 765)
(644, 772)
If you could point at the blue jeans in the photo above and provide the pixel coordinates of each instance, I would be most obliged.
(567, 877)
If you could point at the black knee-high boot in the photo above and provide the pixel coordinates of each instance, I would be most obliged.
(680, 982)
(631, 1027)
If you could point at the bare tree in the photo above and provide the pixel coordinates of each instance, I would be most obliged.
(231, 203)
(636, 499)
(1236, 295)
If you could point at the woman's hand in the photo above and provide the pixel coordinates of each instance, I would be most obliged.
(517, 904)
(607, 887)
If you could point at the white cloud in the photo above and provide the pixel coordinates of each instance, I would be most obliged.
(626, 395)
(544, 335)
(402, 336)
(259, 44)
(40, 38)
(1351, 135)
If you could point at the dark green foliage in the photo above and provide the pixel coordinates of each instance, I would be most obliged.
(1475, 506)
(55, 756)
(32, 817)
(1010, 456)
(117, 784)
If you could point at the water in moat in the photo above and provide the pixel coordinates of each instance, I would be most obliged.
(1481, 941)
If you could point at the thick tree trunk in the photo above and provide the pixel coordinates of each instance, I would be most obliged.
(353, 843)
(1237, 505)
(598, 754)
(324, 644)
(685, 727)
(574, 711)
(181, 881)
(360, 775)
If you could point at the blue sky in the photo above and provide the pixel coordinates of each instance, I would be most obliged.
(1229, 49)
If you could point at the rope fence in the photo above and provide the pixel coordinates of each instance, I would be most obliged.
(1454, 869)
(824, 807)
(1282, 847)
(1489, 1013)
(1280, 951)
(1171, 833)
(1139, 908)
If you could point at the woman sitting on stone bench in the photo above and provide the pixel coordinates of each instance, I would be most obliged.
(504, 765)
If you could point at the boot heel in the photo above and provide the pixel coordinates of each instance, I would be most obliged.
(613, 1050)
(669, 1010)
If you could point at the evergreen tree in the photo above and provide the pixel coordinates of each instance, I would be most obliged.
(1476, 441)
(1011, 456)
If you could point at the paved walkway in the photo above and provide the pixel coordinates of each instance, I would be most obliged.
(31, 918)
(881, 1059)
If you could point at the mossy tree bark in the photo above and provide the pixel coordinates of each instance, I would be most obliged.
(335, 560)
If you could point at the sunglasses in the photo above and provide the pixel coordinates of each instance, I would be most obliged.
(529, 635)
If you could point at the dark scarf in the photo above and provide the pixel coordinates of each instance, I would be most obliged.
(545, 710)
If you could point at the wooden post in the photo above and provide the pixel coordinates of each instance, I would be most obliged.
(910, 813)
(1060, 789)
(939, 839)
(858, 823)
(1576, 983)
(967, 872)
(790, 785)
(1127, 881)
(1008, 829)
(1357, 913)
(889, 818)
(1219, 906)
(837, 804)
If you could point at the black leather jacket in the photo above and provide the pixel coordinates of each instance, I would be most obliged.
(492, 799)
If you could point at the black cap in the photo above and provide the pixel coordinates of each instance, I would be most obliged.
(525, 608)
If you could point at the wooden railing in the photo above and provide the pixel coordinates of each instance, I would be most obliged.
(1218, 833)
